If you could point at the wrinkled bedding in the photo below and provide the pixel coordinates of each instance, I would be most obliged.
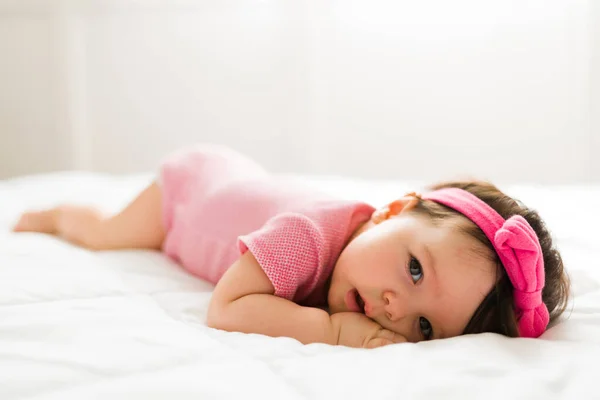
(75, 324)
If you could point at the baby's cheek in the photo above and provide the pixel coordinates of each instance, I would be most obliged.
(385, 275)
(388, 266)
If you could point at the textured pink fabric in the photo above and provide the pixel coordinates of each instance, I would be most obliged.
(218, 204)
(519, 250)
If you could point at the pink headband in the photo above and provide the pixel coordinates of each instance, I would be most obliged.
(519, 249)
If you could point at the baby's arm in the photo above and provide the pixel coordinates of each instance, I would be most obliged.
(244, 301)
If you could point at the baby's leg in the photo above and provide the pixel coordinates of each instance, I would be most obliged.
(139, 225)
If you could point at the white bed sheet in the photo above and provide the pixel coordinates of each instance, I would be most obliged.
(81, 325)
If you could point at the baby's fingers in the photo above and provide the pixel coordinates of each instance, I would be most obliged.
(378, 342)
(391, 336)
(384, 337)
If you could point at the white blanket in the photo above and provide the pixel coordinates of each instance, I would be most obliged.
(75, 324)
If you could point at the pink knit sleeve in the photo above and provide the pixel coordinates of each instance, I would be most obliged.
(292, 251)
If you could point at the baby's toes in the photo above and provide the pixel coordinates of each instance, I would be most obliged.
(37, 221)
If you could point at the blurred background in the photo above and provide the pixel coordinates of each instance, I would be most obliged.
(428, 90)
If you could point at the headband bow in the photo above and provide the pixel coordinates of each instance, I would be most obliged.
(519, 250)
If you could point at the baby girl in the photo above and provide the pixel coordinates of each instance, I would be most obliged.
(288, 261)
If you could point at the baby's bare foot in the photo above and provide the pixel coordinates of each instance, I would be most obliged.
(76, 224)
(38, 221)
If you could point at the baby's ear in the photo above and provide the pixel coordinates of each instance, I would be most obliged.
(406, 203)
(396, 207)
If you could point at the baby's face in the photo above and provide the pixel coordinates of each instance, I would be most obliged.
(422, 281)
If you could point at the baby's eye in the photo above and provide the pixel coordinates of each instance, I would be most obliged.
(414, 267)
(426, 329)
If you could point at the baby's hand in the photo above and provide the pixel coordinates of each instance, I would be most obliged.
(357, 330)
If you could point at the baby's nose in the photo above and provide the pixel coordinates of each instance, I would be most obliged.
(393, 307)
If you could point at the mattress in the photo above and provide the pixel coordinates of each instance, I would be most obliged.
(76, 324)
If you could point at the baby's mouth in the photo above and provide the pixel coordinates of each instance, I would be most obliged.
(360, 302)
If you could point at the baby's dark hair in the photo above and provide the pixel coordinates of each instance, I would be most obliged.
(496, 312)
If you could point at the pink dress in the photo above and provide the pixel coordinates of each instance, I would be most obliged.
(218, 204)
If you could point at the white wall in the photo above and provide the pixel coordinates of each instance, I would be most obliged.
(594, 30)
(504, 90)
